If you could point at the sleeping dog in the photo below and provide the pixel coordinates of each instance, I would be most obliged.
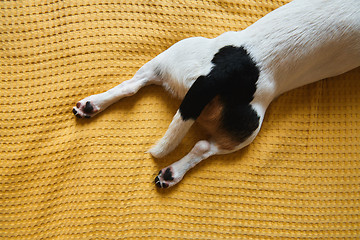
(227, 83)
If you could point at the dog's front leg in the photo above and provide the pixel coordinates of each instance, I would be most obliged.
(173, 174)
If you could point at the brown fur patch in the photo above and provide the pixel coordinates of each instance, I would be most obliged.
(210, 120)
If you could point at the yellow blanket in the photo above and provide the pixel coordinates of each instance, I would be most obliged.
(64, 178)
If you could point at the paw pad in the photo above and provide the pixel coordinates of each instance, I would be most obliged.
(168, 175)
(88, 107)
(165, 178)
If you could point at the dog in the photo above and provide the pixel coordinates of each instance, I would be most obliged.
(227, 83)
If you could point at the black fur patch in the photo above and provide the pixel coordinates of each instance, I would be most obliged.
(239, 120)
(233, 78)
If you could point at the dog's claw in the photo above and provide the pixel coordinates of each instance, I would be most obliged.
(157, 182)
(76, 113)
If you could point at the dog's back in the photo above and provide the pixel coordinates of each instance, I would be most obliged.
(299, 43)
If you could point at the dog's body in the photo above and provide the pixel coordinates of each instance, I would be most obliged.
(227, 83)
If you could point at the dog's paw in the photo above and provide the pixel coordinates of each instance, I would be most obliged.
(85, 109)
(166, 178)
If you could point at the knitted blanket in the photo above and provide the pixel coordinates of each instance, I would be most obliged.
(68, 178)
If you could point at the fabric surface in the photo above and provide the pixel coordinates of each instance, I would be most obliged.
(65, 178)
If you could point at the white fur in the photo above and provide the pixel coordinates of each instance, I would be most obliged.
(172, 137)
(297, 44)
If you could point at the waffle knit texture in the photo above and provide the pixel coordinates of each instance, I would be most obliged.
(65, 178)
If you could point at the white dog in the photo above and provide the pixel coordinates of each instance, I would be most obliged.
(227, 83)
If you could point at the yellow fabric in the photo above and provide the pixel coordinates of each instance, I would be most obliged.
(64, 178)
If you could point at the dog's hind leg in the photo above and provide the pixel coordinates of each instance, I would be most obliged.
(173, 174)
(173, 136)
(92, 105)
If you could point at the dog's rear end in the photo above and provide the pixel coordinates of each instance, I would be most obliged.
(227, 83)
